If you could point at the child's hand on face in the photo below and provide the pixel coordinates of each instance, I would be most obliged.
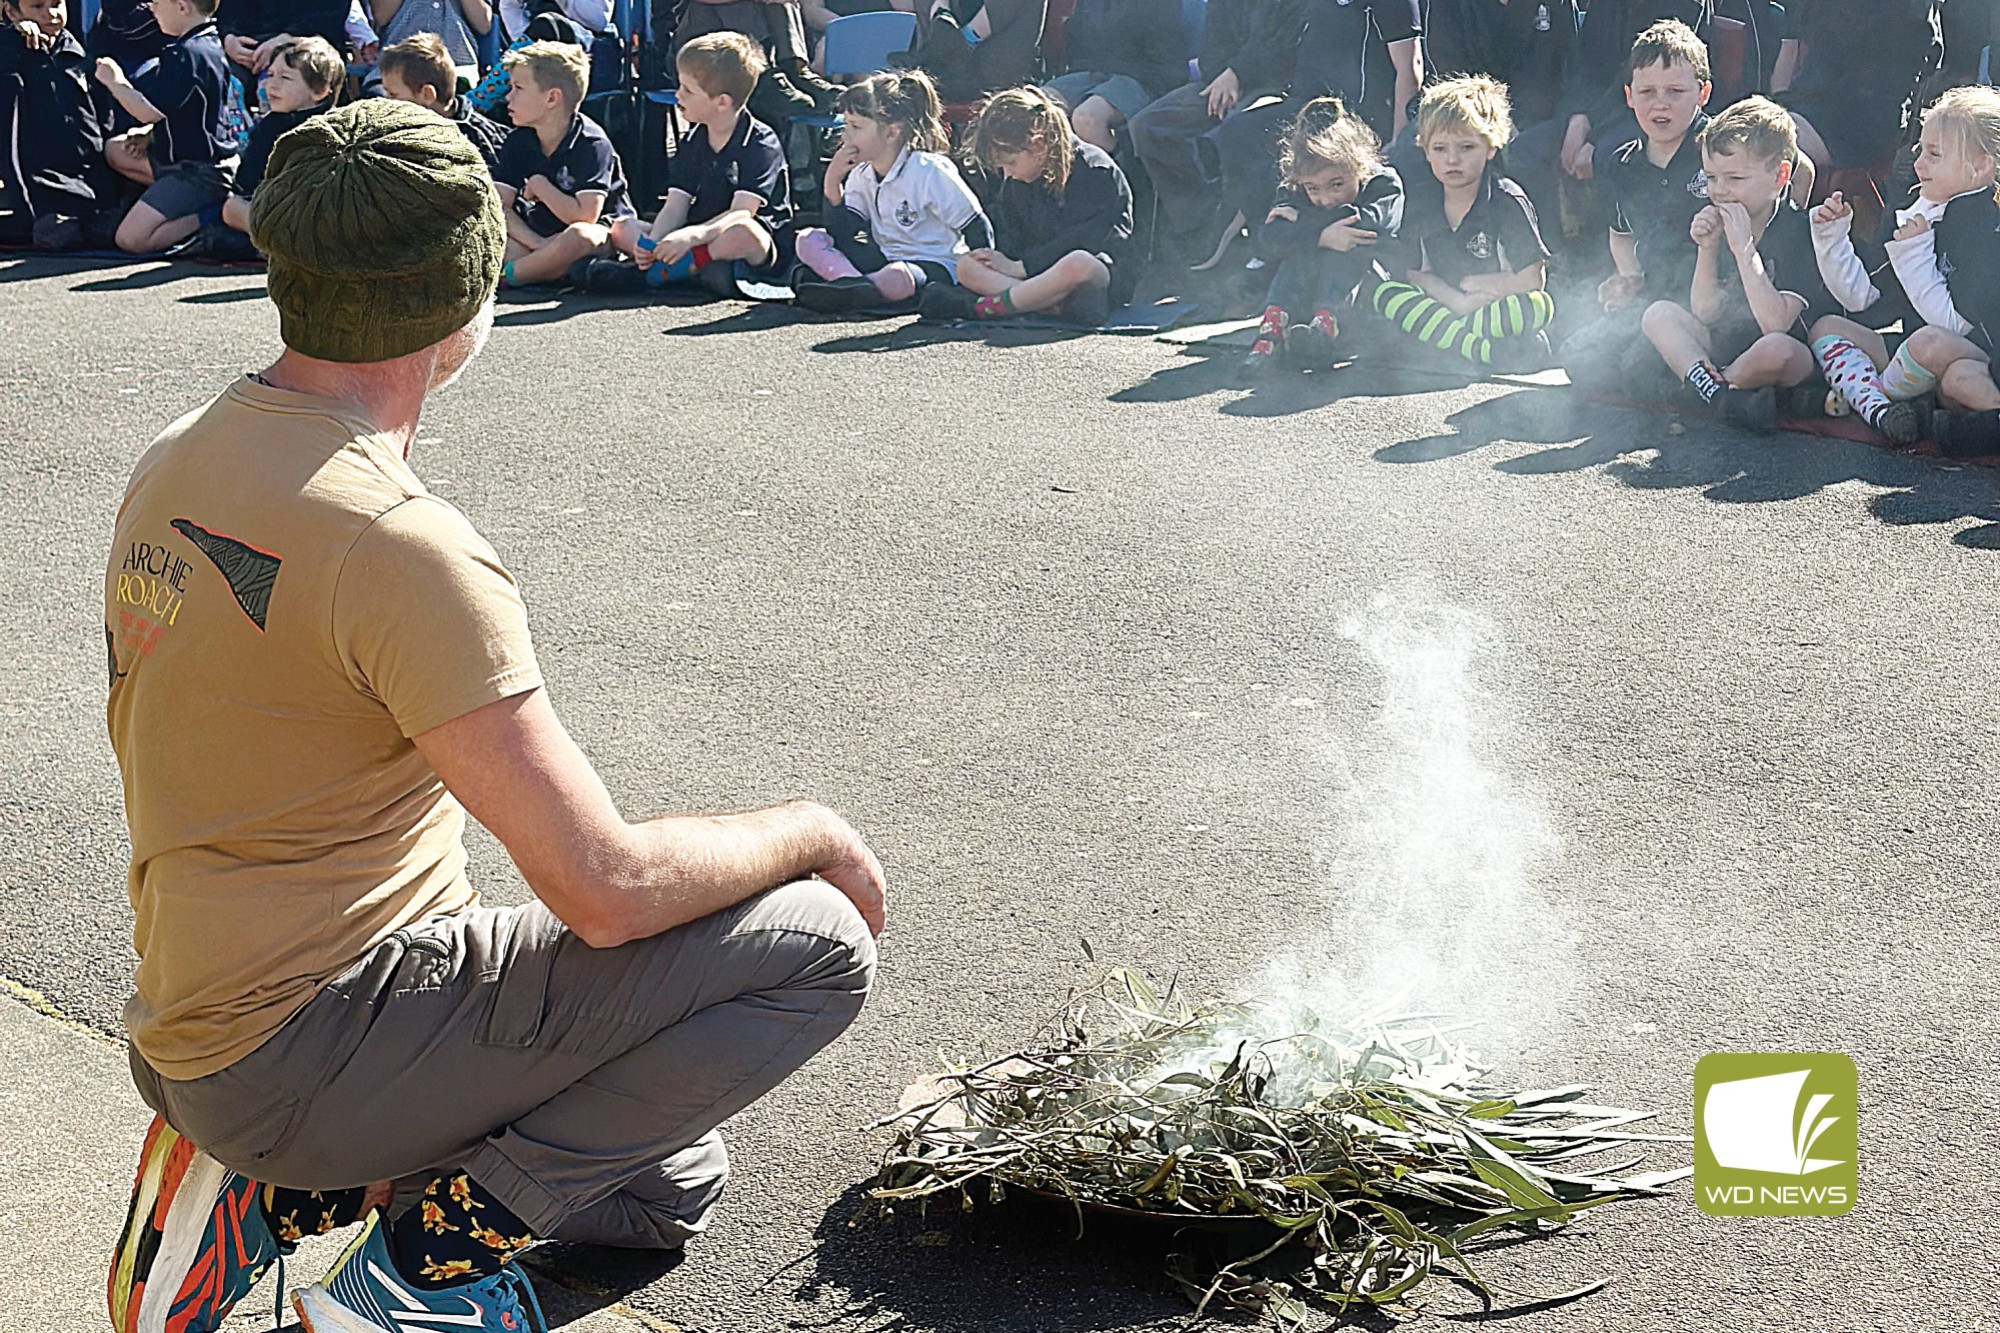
(33, 37)
(1706, 229)
(1282, 213)
(1619, 290)
(1736, 226)
(845, 159)
(1916, 226)
(1834, 209)
(1344, 236)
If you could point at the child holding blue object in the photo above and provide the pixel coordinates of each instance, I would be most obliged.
(729, 192)
(898, 215)
(1337, 202)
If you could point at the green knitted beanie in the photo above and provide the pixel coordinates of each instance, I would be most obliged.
(382, 229)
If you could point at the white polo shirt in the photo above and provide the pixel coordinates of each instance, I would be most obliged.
(918, 210)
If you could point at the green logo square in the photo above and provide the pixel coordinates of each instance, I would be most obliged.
(1774, 1134)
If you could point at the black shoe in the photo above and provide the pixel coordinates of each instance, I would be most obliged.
(608, 277)
(1749, 409)
(941, 302)
(1526, 355)
(1088, 306)
(718, 278)
(57, 231)
(825, 94)
(836, 296)
(1266, 359)
(1966, 434)
(1802, 402)
(1905, 420)
(1310, 347)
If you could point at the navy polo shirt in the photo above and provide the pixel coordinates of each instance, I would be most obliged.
(263, 138)
(1786, 250)
(1497, 235)
(1344, 53)
(751, 160)
(584, 160)
(205, 117)
(1655, 206)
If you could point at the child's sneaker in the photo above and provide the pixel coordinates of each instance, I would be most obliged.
(1905, 420)
(1314, 345)
(1752, 409)
(195, 1240)
(943, 301)
(362, 1293)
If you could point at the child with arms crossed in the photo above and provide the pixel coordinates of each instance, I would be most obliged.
(1337, 201)
(898, 215)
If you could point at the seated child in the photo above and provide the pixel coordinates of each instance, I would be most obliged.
(559, 177)
(1941, 245)
(729, 190)
(1742, 334)
(195, 127)
(898, 215)
(1949, 267)
(305, 73)
(1475, 288)
(1656, 186)
(1336, 201)
(419, 70)
(1122, 55)
(54, 119)
(1062, 221)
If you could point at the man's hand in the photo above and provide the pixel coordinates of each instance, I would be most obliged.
(1223, 92)
(1706, 229)
(849, 866)
(1282, 213)
(1736, 228)
(1833, 209)
(1344, 236)
(1916, 226)
(110, 74)
(260, 59)
(240, 50)
(33, 37)
(1578, 152)
(1619, 290)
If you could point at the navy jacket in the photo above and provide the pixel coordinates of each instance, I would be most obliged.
(1377, 208)
(1094, 214)
(263, 19)
(53, 119)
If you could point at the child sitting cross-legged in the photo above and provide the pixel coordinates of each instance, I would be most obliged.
(1757, 289)
(559, 178)
(1475, 288)
(1062, 220)
(1337, 200)
(53, 119)
(898, 215)
(304, 75)
(1941, 253)
(729, 192)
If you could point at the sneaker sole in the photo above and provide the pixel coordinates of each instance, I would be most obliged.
(320, 1313)
(163, 1242)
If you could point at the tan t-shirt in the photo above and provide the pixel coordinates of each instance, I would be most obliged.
(285, 606)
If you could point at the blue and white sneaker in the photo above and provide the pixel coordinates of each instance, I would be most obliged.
(361, 1293)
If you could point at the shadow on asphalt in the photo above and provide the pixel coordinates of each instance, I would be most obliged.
(572, 1281)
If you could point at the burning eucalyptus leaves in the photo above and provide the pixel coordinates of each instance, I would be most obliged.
(1355, 1160)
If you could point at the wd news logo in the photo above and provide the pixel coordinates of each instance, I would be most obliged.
(1774, 1135)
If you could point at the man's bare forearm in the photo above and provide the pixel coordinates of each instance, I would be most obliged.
(680, 868)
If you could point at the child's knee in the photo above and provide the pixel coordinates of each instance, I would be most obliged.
(1664, 317)
(1080, 269)
(964, 268)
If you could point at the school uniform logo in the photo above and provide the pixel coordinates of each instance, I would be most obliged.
(564, 180)
(906, 213)
(1698, 184)
(1541, 18)
(1944, 264)
(1480, 246)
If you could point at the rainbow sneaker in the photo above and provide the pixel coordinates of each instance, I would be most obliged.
(362, 1293)
(195, 1242)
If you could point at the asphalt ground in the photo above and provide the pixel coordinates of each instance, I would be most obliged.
(1058, 622)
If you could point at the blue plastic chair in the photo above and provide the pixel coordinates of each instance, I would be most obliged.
(863, 43)
(86, 15)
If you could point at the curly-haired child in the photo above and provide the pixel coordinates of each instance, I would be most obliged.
(1062, 218)
(1337, 201)
(1477, 261)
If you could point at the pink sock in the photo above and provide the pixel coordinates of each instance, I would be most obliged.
(897, 282)
(818, 253)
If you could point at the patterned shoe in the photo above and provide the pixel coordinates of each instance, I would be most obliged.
(195, 1242)
(363, 1294)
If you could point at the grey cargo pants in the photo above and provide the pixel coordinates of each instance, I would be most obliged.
(581, 1086)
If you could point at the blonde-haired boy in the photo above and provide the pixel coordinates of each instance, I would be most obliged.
(1475, 262)
(558, 175)
(1743, 333)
